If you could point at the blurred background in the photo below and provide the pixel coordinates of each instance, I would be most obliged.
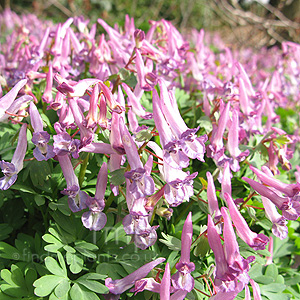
(245, 23)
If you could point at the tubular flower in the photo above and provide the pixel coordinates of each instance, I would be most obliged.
(11, 170)
(77, 199)
(183, 280)
(142, 183)
(40, 138)
(95, 219)
(118, 286)
(173, 154)
(8, 102)
(254, 240)
(237, 264)
(285, 188)
(191, 145)
(289, 206)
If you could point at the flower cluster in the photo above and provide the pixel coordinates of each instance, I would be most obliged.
(96, 87)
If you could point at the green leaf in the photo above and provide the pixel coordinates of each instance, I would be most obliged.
(23, 188)
(53, 297)
(79, 292)
(56, 244)
(69, 249)
(30, 277)
(277, 296)
(5, 230)
(40, 174)
(202, 246)
(62, 262)
(62, 288)
(53, 266)
(13, 291)
(16, 285)
(46, 284)
(75, 262)
(288, 281)
(9, 252)
(93, 276)
(264, 279)
(111, 270)
(39, 200)
(61, 205)
(205, 122)
(144, 135)
(282, 139)
(86, 245)
(117, 177)
(171, 242)
(93, 285)
(272, 287)
(272, 271)
(86, 249)
(131, 80)
(123, 74)
(6, 275)
(6, 297)
(17, 276)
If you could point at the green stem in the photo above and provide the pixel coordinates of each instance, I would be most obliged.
(83, 169)
(109, 201)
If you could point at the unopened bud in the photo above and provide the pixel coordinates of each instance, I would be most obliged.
(165, 212)
(139, 36)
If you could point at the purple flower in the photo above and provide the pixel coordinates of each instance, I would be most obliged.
(236, 263)
(95, 219)
(47, 96)
(145, 84)
(216, 147)
(285, 188)
(165, 284)
(115, 134)
(233, 143)
(136, 222)
(256, 290)
(222, 274)
(10, 170)
(179, 185)
(40, 138)
(135, 104)
(191, 145)
(8, 102)
(290, 206)
(228, 295)
(254, 240)
(118, 286)
(142, 183)
(279, 222)
(92, 116)
(64, 144)
(226, 180)
(43, 151)
(212, 200)
(77, 199)
(86, 134)
(183, 280)
(173, 154)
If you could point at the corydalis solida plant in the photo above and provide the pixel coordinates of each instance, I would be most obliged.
(94, 118)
